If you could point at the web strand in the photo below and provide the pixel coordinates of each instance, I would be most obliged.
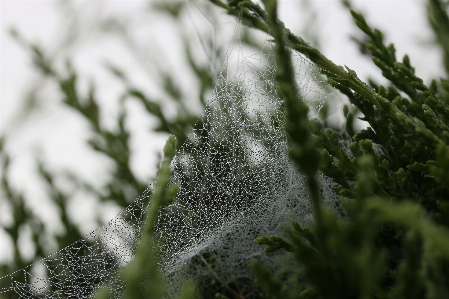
(237, 183)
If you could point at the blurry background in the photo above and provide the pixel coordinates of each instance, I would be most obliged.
(90, 91)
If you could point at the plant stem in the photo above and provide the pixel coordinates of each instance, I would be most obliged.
(228, 288)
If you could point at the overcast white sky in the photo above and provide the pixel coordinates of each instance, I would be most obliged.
(59, 135)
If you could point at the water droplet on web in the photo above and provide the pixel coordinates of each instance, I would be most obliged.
(241, 168)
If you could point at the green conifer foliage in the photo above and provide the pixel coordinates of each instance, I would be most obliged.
(393, 241)
(394, 175)
(124, 185)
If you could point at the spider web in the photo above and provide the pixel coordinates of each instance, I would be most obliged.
(237, 183)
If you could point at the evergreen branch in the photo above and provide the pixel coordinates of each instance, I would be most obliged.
(439, 21)
(142, 277)
(412, 216)
(330, 69)
(303, 144)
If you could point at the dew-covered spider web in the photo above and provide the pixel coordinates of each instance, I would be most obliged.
(237, 183)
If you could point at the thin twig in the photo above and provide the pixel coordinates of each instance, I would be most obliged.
(233, 293)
